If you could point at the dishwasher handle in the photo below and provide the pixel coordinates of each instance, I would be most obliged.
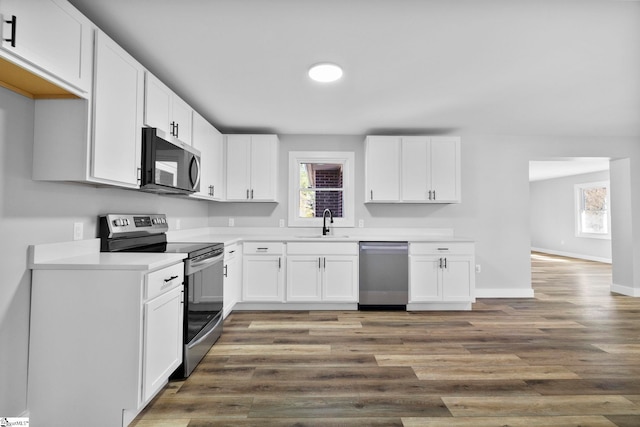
(384, 247)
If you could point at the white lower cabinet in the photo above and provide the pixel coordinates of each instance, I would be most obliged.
(441, 276)
(315, 276)
(232, 292)
(163, 322)
(102, 343)
(263, 272)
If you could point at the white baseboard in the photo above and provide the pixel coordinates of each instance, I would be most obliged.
(244, 306)
(439, 306)
(504, 293)
(572, 255)
(625, 290)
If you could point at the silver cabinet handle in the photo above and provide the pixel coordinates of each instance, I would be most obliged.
(445, 263)
(440, 265)
(252, 194)
(247, 194)
(279, 263)
(434, 194)
(324, 260)
(371, 194)
(319, 260)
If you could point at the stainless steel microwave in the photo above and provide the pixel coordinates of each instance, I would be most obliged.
(168, 166)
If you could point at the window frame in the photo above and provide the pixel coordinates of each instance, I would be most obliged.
(347, 160)
(578, 189)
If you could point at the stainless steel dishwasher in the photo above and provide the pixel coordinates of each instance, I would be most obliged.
(384, 275)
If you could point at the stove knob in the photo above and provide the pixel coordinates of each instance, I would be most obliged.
(126, 221)
(117, 222)
(154, 221)
(164, 220)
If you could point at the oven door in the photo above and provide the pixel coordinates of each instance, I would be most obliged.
(203, 308)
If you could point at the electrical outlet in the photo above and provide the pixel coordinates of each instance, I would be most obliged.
(478, 268)
(281, 223)
(361, 223)
(178, 224)
(78, 230)
(232, 222)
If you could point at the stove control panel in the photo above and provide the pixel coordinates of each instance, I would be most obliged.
(130, 224)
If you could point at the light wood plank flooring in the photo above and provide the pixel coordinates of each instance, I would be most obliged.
(568, 357)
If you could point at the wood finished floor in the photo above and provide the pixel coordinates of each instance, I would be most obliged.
(568, 357)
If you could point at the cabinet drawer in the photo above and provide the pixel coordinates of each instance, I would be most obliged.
(162, 280)
(258, 248)
(324, 248)
(230, 252)
(441, 248)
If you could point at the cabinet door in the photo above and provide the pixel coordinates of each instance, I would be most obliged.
(181, 116)
(456, 279)
(264, 174)
(340, 281)
(157, 104)
(262, 279)
(304, 278)
(424, 278)
(118, 99)
(444, 165)
(382, 170)
(238, 167)
(50, 34)
(208, 141)
(414, 169)
(162, 340)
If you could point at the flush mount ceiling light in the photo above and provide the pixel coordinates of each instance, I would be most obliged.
(325, 72)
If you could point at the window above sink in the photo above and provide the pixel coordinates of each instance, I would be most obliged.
(319, 181)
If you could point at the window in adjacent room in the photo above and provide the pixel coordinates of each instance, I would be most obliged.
(593, 217)
(319, 181)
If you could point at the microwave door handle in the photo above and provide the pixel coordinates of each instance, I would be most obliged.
(194, 159)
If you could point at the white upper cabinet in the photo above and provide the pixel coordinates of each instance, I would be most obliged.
(96, 140)
(117, 129)
(49, 38)
(412, 169)
(209, 141)
(444, 164)
(166, 111)
(383, 169)
(431, 169)
(252, 168)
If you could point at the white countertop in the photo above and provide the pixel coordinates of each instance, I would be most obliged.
(229, 235)
(112, 261)
(86, 255)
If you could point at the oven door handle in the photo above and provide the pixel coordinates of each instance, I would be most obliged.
(201, 265)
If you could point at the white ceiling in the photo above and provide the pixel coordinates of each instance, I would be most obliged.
(554, 67)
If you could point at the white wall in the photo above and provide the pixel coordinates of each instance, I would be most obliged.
(41, 212)
(553, 218)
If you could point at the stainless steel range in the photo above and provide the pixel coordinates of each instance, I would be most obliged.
(203, 287)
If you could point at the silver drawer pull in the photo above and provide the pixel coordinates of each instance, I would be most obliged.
(170, 279)
(443, 249)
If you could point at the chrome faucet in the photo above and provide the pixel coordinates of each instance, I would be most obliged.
(325, 229)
